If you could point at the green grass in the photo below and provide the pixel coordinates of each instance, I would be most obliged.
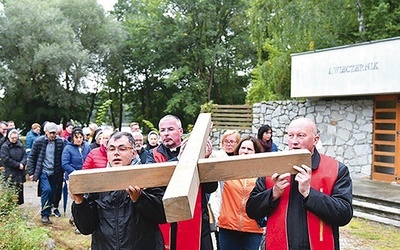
(375, 235)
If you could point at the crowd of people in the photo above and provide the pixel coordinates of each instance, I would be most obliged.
(282, 211)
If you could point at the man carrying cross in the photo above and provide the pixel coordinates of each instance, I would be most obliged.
(122, 219)
(194, 233)
(184, 177)
(306, 209)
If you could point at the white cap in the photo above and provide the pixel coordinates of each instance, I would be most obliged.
(51, 127)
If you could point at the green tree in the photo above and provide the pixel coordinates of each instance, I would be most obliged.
(282, 27)
(185, 53)
(378, 19)
(48, 50)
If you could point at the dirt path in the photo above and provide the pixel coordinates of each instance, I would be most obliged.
(63, 235)
(33, 201)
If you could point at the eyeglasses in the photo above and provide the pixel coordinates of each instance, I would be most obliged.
(120, 149)
(229, 142)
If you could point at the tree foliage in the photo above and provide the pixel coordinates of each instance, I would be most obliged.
(379, 19)
(152, 57)
(48, 50)
(184, 53)
(282, 27)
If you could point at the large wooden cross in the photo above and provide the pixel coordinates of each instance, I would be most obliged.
(182, 178)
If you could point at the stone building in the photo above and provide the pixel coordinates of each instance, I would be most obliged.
(353, 95)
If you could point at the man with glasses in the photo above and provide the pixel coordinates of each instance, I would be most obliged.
(142, 152)
(123, 219)
(44, 165)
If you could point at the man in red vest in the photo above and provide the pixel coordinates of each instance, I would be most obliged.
(190, 234)
(304, 211)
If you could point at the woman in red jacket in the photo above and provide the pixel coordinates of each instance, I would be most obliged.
(97, 157)
(236, 229)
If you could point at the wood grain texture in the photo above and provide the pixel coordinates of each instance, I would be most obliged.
(211, 169)
(250, 166)
(181, 193)
(119, 178)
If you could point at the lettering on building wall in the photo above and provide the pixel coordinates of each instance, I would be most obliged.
(353, 68)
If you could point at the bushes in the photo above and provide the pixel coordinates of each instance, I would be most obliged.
(16, 232)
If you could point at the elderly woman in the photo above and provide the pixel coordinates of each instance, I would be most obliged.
(13, 157)
(74, 155)
(97, 157)
(229, 141)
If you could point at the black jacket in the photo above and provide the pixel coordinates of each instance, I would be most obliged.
(38, 153)
(336, 209)
(12, 154)
(116, 222)
(143, 154)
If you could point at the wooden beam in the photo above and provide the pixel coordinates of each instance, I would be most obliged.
(251, 166)
(181, 193)
(119, 178)
(211, 169)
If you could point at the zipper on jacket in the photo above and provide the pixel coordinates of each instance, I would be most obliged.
(117, 220)
(241, 217)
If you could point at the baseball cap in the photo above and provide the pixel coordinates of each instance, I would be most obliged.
(51, 127)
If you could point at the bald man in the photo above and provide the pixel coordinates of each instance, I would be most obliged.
(304, 210)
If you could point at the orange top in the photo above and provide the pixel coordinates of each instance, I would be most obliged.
(233, 214)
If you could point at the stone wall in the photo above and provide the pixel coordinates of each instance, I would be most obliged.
(345, 128)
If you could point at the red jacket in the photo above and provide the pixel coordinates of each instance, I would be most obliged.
(97, 158)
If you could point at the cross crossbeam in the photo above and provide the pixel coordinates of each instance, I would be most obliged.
(182, 178)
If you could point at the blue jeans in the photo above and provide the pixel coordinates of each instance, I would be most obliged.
(232, 239)
(48, 187)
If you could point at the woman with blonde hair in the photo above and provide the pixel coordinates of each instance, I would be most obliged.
(229, 141)
(31, 136)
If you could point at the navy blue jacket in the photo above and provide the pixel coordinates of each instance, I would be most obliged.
(38, 152)
(72, 159)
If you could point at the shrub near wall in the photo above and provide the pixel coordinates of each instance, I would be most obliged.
(345, 128)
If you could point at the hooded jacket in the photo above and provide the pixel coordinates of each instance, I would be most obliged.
(73, 157)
